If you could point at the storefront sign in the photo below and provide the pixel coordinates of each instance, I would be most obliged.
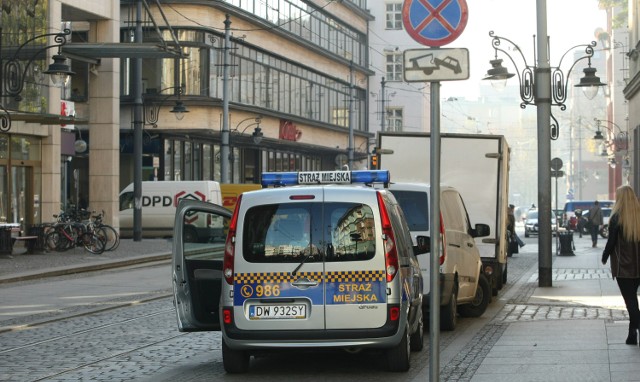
(289, 131)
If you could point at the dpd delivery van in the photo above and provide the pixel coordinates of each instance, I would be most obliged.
(159, 202)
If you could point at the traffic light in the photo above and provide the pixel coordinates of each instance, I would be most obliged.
(374, 162)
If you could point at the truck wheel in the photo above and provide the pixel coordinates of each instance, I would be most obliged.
(498, 277)
(449, 312)
(480, 302)
(504, 274)
(235, 361)
(398, 356)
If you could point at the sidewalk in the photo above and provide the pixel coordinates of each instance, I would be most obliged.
(21, 266)
(572, 331)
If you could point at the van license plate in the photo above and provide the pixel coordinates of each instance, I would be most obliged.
(268, 312)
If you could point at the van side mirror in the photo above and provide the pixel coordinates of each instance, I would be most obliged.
(423, 245)
(481, 230)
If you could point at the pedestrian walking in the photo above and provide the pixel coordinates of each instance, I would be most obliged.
(596, 220)
(623, 247)
(514, 242)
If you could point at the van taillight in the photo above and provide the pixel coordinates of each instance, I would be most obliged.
(230, 245)
(227, 316)
(443, 242)
(390, 251)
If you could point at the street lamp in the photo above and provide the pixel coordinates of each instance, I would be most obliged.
(14, 75)
(619, 142)
(257, 134)
(152, 106)
(536, 85)
(498, 76)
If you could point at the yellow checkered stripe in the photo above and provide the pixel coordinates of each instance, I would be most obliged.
(331, 277)
(355, 276)
(274, 277)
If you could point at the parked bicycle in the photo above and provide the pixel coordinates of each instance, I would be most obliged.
(108, 234)
(67, 233)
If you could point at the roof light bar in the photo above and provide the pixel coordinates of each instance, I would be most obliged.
(324, 177)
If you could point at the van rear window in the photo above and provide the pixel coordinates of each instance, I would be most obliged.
(415, 206)
(289, 232)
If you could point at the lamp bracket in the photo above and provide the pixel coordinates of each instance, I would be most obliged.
(14, 75)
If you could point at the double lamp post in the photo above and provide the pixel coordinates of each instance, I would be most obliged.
(543, 86)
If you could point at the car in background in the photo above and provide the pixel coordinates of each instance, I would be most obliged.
(604, 230)
(531, 223)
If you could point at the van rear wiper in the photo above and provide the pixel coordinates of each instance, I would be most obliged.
(305, 258)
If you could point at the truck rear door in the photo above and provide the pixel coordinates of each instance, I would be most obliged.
(197, 266)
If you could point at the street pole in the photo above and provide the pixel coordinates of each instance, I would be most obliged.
(434, 291)
(382, 101)
(137, 131)
(351, 117)
(543, 102)
(224, 149)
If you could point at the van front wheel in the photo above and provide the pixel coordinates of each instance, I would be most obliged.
(480, 302)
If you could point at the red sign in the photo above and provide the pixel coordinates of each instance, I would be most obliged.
(434, 22)
(289, 131)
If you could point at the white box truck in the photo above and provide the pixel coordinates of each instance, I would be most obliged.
(477, 165)
(159, 202)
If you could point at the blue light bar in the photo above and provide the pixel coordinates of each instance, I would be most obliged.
(324, 177)
(279, 179)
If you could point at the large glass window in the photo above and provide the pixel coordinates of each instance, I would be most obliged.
(312, 24)
(258, 79)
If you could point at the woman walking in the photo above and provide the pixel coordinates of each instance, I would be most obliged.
(623, 247)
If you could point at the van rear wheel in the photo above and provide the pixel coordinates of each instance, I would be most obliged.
(416, 340)
(398, 356)
(235, 361)
(189, 235)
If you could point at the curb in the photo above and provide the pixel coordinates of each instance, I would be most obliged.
(84, 268)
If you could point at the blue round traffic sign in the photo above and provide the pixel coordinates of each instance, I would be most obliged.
(434, 22)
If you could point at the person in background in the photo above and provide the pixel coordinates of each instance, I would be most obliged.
(623, 247)
(596, 219)
(511, 226)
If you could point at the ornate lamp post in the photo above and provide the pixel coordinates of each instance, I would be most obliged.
(152, 106)
(543, 86)
(14, 73)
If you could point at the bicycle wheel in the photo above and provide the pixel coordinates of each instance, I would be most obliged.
(110, 237)
(92, 243)
(57, 241)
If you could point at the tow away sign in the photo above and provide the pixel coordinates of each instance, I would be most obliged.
(431, 65)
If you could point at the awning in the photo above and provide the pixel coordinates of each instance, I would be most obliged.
(46, 119)
(120, 50)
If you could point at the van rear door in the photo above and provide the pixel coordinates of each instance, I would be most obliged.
(356, 287)
(278, 281)
(197, 266)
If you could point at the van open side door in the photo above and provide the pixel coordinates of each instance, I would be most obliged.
(196, 265)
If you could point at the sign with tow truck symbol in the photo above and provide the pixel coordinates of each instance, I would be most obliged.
(431, 65)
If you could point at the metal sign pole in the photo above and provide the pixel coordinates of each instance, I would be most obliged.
(434, 291)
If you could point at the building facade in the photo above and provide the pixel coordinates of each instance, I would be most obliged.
(394, 105)
(297, 74)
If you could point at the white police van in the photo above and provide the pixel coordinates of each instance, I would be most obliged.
(314, 266)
